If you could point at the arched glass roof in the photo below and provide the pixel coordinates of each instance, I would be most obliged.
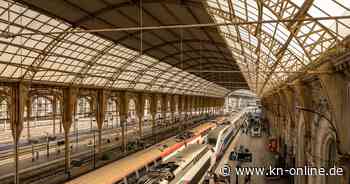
(268, 52)
(84, 58)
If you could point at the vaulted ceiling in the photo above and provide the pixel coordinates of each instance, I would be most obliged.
(196, 50)
(247, 52)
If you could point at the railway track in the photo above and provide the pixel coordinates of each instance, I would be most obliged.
(29, 149)
(49, 171)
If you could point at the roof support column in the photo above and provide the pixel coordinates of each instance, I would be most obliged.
(172, 108)
(205, 105)
(193, 105)
(304, 96)
(336, 87)
(164, 108)
(19, 96)
(190, 107)
(196, 105)
(211, 106)
(54, 112)
(202, 104)
(140, 110)
(29, 115)
(153, 112)
(123, 108)
(180, 107)
(101, 107)
(69, 101)
(186, 112)
(282, 120)
(217, 106)
(289, 99)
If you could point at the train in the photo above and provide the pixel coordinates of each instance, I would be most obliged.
(191, 164)
(219, 139)
(123, 172)
(187, 166)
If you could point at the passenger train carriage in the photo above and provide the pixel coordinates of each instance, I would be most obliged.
(188, 166)
(128, 169)
(219, 139)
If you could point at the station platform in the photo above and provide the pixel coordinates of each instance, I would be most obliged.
(261, 158)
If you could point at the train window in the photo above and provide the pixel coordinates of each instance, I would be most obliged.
(132, 178)
(212, 141)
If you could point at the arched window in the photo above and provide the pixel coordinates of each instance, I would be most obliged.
(84, 109)
(41, 107)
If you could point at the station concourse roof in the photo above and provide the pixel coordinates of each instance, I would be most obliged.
(209, 61)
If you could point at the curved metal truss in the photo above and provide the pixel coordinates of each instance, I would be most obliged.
(270, 51)
(84, 58)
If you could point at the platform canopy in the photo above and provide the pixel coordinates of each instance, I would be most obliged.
(252, 44)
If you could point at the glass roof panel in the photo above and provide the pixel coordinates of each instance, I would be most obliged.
(78, 58)
(279, 50)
